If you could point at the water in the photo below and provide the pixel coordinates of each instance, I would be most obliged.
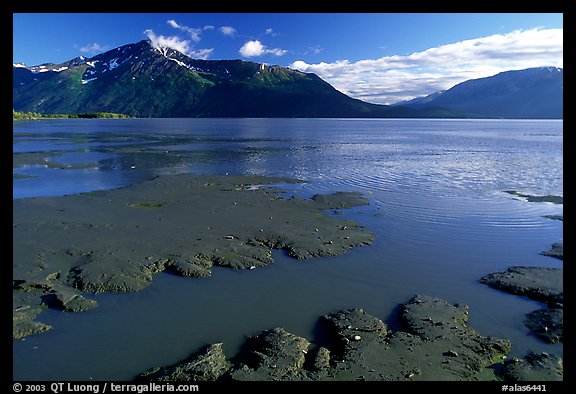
(438, 210)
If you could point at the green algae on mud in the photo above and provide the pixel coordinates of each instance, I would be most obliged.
(117, 240)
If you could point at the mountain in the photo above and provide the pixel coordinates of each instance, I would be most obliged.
(145, 81)
(531, 93)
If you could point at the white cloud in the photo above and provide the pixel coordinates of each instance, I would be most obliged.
(256, 48)
(173, 42)
(315, 50)
(394, 78)
(194, 33)
(93, 48)
(178, 44)
(227, 30)
(201, 53)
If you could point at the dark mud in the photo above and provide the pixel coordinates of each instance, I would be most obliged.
(556, 251)
(47, 160)
(540, 284)
(434, 344)
(117, 240)
(535, 367)
(532, 198)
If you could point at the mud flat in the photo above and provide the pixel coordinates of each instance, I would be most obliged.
(556, 250)
(532, 198)
(540, 284)
(116, 240)
(434, 344)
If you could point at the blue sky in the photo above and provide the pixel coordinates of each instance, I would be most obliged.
(377, 57)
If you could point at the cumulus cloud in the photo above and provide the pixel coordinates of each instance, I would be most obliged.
(192, 32)
(227, 30)
(173, 42)
(391, 79)
(256, 48)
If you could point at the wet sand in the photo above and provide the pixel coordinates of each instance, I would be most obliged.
(116, 240)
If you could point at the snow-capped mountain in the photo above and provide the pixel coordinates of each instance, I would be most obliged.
(146, 81)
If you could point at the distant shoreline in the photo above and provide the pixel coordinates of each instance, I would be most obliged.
(90, 115)
(111, 115)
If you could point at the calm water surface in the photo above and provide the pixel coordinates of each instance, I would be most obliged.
(438, 209)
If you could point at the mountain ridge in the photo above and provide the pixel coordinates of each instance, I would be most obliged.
(141, 80)
(528, 93)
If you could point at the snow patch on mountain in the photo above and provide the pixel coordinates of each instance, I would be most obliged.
(85, 81)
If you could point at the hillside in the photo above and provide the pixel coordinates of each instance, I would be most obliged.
(142, 81)
(531, 93)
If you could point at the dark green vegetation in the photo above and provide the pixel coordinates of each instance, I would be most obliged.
(95, 115)
(142, 81)
(534, 93)
(117, 240)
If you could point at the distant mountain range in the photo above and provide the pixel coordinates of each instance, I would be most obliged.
(529, 93)
(145, 81)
